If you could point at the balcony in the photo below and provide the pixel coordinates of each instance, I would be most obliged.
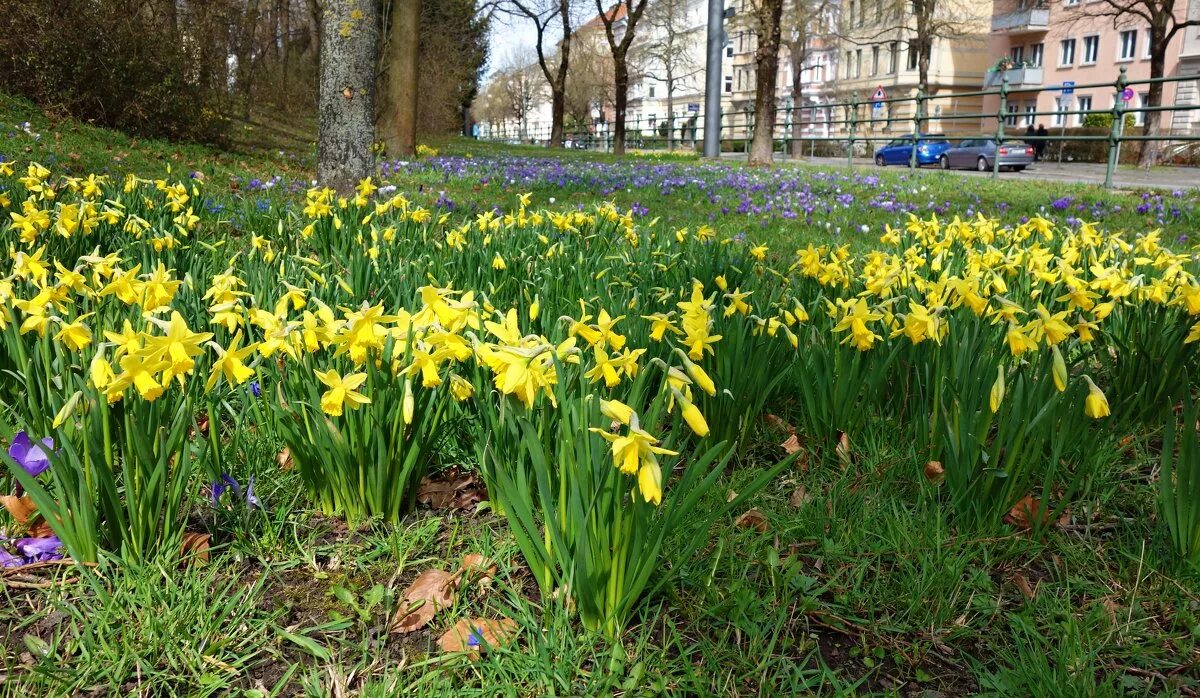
(1017, 78)
(1032, 20)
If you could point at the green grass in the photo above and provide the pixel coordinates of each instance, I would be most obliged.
(861, 584)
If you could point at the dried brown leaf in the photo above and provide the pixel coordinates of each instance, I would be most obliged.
(791, 445)
(474, 635)
(777, 422)
(431, 591)
(194, 548)
(1023, 585)
(799, 497)
(1026, 512)
(21, 508)
(843, 448)
(934, 472)
(753, 518)
(284, 459)
(453, 489)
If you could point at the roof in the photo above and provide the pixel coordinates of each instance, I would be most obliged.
(617, 12)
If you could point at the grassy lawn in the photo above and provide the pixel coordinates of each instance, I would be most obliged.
(856, 575)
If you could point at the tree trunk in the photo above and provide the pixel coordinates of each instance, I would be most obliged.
(558, 105)
(670, 113)
(398, 118)
(620, 102)
(797, 56)
(346, 86)
(766, 67)
(1153, 121)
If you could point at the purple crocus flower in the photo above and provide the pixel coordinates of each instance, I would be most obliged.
(475, 639)
(7, 559)
(256, 388)
(38, 549)
(226, 482)
(30, 456)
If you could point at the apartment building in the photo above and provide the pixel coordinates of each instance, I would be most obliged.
(1043, 47)
(877, 52)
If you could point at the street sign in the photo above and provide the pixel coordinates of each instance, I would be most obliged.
(694, 107)
(879, 95)
(1127, 94)
(1068, 87)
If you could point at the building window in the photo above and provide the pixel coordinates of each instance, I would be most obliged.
(1071, 3)
(874, 61)
(1035, 55)
(1084, 105)
(1030, 116)
(1017, 54)
(853, 8)
(729, 83)
(1146, 51)
(913, 58)
(1066, 52)
(858, 63)
(1127, 43)
(651, 92)
(653, 119)
(729, 51)
(1143, 101)
(1011, 119)
(849, 64)
(893, 57)
(878, 11)
(1091, 49)
(1060, 114)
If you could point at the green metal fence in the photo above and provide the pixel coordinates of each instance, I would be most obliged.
(851, 128)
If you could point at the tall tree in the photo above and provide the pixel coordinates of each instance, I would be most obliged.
(346, 89)
(765, 17)
(1167, 18)
(550, 18)
(624, 14)
(398, 108)
(805, 24)
(667, 54)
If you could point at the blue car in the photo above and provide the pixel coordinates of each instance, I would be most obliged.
(899, 151)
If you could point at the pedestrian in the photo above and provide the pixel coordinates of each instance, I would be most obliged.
(1031, 135)
(1040, 149)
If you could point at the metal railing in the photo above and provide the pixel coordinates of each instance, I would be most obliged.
(849, 128)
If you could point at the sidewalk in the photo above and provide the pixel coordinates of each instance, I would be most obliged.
(1126, 177)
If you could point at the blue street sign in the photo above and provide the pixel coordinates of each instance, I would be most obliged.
(693, 107)
(1068, 87)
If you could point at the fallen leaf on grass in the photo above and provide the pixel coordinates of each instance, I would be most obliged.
(934, 472)
(453, 490)
(777, 422)
(284, 459)
(799, 497)
(430, 591)
(1023, 585)
(21, 508)
(791, 445)
(194, 547)
(1028, 511)
(843, 448)
(477, 568)
(474, 635)
(753, 518)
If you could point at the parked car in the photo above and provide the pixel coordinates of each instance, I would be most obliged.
(899, 151)
(981, 153)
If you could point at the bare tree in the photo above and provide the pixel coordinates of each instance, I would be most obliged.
(805, 25)
(512, 94)
(624, 14)
(590, 82)
(398, 108)
(346, 88)
(1165, 24)
(667, 55)
(549, 17)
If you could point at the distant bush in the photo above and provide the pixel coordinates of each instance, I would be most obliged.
(115, 64)
(1102, 119)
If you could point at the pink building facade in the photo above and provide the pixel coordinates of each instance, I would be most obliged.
(1043, 45)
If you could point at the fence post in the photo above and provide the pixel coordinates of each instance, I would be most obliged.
(1114, 136)
(912, 157)
(749, 131)
(1000, 116)
(853, 123)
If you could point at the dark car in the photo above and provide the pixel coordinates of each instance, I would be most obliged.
(899, 151)
(981, 153)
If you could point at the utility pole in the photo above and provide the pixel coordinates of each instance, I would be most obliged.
(712, 79)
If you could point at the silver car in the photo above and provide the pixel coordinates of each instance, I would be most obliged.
(980, 153)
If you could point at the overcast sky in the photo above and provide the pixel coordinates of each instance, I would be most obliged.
(510, 36)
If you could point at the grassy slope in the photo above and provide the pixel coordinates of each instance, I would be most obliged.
(861, 584)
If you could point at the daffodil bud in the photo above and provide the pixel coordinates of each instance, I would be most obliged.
(997, 394)
(409, 405)
(616, 410)
(1059, 369)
